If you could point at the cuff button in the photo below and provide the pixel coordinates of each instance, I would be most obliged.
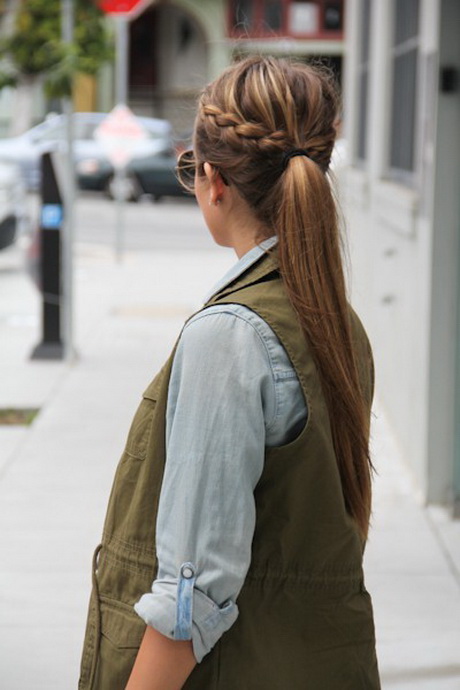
(187, 572)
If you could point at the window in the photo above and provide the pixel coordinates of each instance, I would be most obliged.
(304, 18)
(333, 16)
(257, 17)
(319, 19)
(363, 81)
(242, 15)
(53, 132)
(273, 14)
(404, 54)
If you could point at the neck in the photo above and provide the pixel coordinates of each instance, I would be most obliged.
(241, 228)
(244, 233)
(242, 247)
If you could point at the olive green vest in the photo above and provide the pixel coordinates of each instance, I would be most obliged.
(305, 620)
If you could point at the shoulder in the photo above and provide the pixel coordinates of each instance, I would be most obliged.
(220, 320)
(220, 328)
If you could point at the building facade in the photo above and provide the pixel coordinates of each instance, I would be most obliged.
(402, 111)
(176, 47)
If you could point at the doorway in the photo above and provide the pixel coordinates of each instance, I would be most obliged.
(167, 64)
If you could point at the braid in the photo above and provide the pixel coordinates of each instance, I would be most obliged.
(246, 130)
(319, 148)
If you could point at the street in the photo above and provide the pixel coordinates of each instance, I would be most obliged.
(167, 224)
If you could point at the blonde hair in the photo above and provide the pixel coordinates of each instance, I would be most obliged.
(250, 122)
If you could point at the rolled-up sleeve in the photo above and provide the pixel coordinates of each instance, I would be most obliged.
(220, 382)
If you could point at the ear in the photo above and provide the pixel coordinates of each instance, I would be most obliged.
(216, 184)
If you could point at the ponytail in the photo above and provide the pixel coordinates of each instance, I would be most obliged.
(311, 268)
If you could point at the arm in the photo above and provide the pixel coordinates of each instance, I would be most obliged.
(215, 451)
(161, 664)
(222, 408)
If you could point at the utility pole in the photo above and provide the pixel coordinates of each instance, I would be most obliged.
(121, 96)
(121, 66)
(67, 33)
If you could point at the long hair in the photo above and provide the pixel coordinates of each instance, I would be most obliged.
(249, 120)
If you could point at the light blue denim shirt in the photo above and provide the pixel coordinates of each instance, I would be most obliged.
(233, 391)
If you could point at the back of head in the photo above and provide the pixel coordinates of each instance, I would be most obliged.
(256, 112)
(268, 126)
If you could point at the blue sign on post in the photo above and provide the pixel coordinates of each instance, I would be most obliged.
(51, 216)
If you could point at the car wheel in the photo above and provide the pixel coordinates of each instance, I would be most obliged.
(127, 188)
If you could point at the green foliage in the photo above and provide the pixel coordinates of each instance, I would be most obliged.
(35, 48)
(7, 80)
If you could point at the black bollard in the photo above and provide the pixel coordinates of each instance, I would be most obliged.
(51, 346)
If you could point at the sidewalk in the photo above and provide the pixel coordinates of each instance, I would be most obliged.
(55, 476)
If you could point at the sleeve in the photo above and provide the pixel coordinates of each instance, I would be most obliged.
(215, 436)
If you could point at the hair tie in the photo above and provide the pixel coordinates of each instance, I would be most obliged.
(287, 155)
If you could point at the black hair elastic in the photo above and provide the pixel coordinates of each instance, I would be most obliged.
(287, 155)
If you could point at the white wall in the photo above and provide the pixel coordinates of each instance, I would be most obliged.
(390, 228)
(444, 345)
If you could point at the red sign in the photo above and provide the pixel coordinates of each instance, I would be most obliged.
(119, 6)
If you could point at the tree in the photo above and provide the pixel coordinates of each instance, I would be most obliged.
(33, 51)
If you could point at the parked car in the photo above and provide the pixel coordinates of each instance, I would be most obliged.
(13, 216)
(153, 173)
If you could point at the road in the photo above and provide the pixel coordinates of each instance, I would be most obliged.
(167, 224)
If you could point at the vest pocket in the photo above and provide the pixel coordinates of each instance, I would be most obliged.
(121, 634)
(141, 426)
(120, 625)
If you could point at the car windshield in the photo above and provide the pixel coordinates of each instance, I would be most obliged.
(47, 131)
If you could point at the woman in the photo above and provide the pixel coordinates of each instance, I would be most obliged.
(241, 504)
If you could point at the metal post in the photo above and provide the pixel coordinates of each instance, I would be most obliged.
(121, 96)
(67, 32)
(120, 202)
(121, 65)
(51, 345)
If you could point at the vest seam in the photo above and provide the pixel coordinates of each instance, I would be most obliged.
(264, 345)
(134, 568)
(322, 578)
(118, 604)
(226, 298)
(305, 390)
(133, 546)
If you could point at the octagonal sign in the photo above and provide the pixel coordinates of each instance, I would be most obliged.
(119, 6)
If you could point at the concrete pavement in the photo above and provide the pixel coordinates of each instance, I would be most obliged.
(55, 475)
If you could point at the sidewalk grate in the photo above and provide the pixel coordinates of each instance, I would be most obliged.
(11, 416)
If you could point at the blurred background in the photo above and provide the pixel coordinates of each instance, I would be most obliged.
(397, 163)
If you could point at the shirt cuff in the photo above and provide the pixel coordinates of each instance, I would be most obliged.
(208, 620)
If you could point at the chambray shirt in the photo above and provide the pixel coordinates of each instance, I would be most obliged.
(232, 392)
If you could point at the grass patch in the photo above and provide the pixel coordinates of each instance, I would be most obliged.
(15, 416)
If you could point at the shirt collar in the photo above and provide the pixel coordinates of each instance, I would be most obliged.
(242, 264)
